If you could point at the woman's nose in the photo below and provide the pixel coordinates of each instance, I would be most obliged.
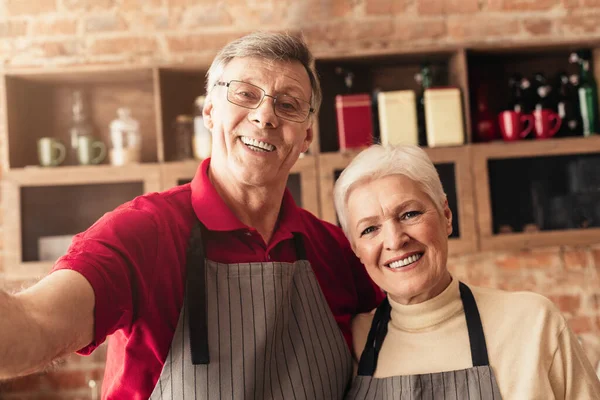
(395, 237)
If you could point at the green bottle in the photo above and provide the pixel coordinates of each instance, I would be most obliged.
(588, 96)
(425, 79)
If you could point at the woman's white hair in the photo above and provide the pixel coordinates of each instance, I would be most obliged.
(379, 161)
(273, 46)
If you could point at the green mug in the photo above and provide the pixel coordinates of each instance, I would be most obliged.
(51, 152)
(90, 150)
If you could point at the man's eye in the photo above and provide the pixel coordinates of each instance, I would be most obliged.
(288, 106)
(367, 231)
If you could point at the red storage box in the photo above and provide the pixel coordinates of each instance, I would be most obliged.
(353, 112)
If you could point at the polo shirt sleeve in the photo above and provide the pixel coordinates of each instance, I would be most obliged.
(115, 255)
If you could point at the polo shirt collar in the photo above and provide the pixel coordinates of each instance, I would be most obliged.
(212, 211)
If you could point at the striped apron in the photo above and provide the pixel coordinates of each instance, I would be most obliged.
(254, 331)
(473, 383)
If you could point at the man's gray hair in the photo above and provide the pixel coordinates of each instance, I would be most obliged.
(271, 46)
(379, 161)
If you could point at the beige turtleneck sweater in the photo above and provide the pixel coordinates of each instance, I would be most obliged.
(533, 354)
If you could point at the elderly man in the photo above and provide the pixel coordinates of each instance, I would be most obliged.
(222, 287)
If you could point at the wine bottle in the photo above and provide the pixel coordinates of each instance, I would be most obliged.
(567, 106)
(424, 78)
(588, 95)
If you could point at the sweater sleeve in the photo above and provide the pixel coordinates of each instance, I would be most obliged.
(571, 374)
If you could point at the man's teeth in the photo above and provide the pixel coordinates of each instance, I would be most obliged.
(257, 145)
(404, 262)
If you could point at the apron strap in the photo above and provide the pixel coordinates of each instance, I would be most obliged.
(377, 333)
(479, 354)
(196, 296)
(195, 293)
(299, 245)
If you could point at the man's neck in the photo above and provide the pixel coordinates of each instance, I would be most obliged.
(257, 207)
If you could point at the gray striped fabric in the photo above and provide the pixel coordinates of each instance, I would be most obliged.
(476, 383)
(271, 336)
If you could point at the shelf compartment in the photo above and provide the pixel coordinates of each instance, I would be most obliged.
(385, 72)
(302, 182)
(526, 162)
(39, 105)
(178, 89)
(50, 202)
(492, 69)
(453, 164)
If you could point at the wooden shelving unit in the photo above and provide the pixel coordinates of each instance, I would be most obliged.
(38, 104)
(482, 154)
(66, 200)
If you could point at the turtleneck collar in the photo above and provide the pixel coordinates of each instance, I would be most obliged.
(426, 315)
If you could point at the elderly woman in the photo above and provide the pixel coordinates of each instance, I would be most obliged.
(435, 337)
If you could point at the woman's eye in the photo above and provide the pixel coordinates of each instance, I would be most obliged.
(367, 231)
(411, 214)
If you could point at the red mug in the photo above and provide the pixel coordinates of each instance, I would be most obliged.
(514, 125)
(547, 123)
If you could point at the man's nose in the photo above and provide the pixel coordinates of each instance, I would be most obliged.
(264, 114)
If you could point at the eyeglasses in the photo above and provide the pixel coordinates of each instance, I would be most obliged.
(249, 96)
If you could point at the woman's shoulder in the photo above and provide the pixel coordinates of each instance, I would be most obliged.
(361, 324)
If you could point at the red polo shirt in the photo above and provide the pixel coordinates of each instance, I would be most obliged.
(134, 258)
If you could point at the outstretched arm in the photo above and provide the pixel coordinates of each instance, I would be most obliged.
(45, 322)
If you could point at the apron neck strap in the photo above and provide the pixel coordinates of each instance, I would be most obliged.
(378, 331)
(479, 354)
(195, 290)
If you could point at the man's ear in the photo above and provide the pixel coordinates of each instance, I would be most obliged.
(448, 217)
(207, 113)
(308, 140)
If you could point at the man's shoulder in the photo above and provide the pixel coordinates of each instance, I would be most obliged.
(320, 230)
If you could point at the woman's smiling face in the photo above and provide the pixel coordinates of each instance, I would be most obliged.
(400, 236)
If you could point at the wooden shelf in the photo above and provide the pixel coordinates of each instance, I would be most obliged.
(78, 175)
(332, 163)
(482, 154)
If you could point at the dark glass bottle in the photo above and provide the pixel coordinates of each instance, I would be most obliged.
(567, 106)
(424, 78)
(588, 95)
(528, 96)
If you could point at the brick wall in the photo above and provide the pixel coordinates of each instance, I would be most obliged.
(44, 33)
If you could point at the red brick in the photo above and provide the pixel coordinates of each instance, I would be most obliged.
(127, 44)
(104, 22)
(341, 8)
(419, 30)
(581, 24)
(582, 324)
(529, 5)
(57, 26)
(569, 4)
(72, 5)
(430, 7)
(13, 28)
(509, 262)
(470, 27)
(576, 258)
(590, 3)
(538, 26)
(567, 303)
(461, 6)
(193, 43)
(218, 16)
(544, 259)
(133, 5)
(386, 7)
(29, 7)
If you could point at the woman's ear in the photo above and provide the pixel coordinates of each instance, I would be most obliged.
(448, 217)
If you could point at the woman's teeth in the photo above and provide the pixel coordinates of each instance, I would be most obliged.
(257, 145)
(404, 262)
